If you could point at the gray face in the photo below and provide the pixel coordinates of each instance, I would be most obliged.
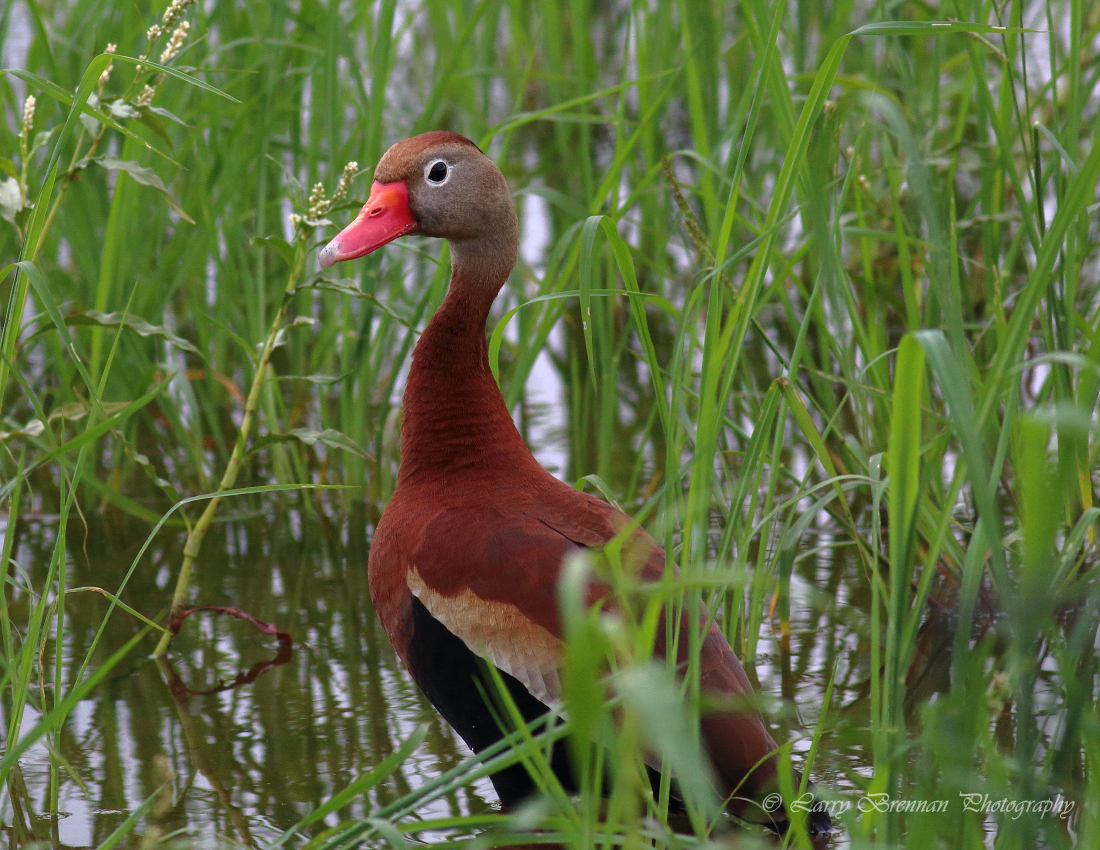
(455, 191)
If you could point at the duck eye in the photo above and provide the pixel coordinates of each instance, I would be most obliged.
(437, 172)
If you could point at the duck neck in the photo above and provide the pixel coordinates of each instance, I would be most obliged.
(454, 416)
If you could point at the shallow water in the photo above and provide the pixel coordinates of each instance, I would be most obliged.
(219, 763)
(247, 762)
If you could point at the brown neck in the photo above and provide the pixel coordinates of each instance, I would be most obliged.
(454, 417)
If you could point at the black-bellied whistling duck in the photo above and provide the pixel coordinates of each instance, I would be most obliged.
(465, 560)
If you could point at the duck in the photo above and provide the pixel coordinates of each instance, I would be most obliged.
(466, 558)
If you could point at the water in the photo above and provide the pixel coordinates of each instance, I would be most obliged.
(249, 762)
(219, 764)
(246, 762)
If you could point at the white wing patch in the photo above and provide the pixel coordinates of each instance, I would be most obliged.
(499, 633)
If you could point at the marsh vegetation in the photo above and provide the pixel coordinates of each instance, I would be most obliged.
(810, 289)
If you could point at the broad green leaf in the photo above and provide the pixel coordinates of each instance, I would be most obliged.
(328, 437)
(119, 319)
(141, 174)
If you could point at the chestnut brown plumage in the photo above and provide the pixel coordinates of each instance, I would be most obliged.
(464, 563)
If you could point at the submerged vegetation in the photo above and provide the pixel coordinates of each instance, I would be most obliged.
(818, 284)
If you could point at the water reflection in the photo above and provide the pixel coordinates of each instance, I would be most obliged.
(181, 689)
(247, 762)
(223, 743)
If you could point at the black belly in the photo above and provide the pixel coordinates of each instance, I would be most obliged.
(458, 683)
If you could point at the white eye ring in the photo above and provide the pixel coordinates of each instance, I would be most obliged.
(433, 166)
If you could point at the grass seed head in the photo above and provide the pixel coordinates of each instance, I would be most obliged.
(28, 120)
(173, 12)
(145, 96)
(343, 183)
(174, 43)
(106, 75)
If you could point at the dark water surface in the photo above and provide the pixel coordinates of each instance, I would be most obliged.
(247, 761)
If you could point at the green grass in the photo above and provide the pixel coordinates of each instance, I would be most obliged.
(820, 284)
